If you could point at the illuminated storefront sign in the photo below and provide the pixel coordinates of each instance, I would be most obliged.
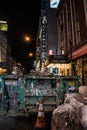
(3, 26)
(54, 3)
(79, 52)
(50, 52)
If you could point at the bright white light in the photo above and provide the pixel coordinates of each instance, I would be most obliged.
(3, 21)
(54, 3)
(50, 52)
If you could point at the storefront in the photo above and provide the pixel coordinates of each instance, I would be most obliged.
(58, 65)
(59, 68)
(79, 63)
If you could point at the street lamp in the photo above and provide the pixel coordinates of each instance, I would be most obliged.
(30, 54)
(27, 38)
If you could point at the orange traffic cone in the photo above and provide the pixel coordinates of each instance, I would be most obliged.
(40, 122)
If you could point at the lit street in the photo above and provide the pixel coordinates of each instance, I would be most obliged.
(43, 65)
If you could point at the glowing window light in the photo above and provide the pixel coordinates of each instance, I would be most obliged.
(50, 52)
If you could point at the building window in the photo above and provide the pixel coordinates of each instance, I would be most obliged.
(78, 32)
(77, 22)
(69, 28)
(85, 8)
(62, 39)
(62, 32)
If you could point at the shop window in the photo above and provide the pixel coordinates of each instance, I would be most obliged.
(77, 22)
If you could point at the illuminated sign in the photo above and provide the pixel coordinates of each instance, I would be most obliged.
(54, 3)
(50, 52)
(1, 21)
(79, 52)
(3, 26)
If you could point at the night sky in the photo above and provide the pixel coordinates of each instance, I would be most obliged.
(22, 18)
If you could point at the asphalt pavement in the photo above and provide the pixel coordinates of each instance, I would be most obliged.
(21, 123)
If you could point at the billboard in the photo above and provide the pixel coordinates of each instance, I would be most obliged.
(3, 26)
(54, 3)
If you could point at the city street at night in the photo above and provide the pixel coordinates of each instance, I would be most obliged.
(43, 65)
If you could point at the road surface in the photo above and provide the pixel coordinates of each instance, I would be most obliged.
(21, 123)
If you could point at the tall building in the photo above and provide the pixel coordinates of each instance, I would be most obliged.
(72, 35)
(6, 60)
(3, 50)
(47, 34)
